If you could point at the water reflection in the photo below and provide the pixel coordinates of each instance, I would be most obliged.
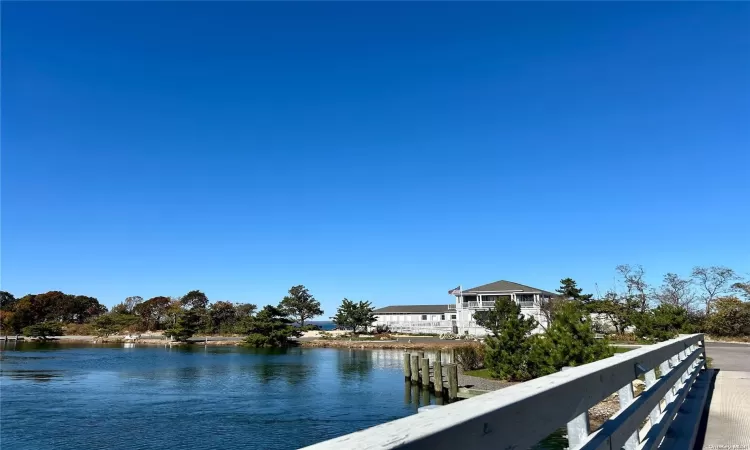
(355, 364)
(33, 375)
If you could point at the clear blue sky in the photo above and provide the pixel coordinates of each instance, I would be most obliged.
(377, 151)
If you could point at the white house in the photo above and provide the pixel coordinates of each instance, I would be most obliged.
(458, 318)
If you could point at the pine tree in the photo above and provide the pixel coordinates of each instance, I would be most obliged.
(186, 326)
(570, 341)
(508, 347)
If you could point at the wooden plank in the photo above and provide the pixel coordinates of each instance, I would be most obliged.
(522, 415)
(617, 431)
(659, 430)
(683, 431)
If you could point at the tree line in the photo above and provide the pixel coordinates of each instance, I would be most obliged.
(714, 300)
(53, 313)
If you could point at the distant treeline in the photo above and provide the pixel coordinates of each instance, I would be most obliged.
(54, 313)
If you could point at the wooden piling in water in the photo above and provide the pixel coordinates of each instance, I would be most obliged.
(425, 397)
(421, 354)
(438, 374)
(415, 368)
(452, 381)
(407, 365)
(438, 356)
(425, 375)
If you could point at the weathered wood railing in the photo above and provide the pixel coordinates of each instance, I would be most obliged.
(520, 416)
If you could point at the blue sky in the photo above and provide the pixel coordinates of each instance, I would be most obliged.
(378, 151)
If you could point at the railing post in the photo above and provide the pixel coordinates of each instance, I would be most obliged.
(703, 352)
(650, 381)
(578, 428)
(626, 396)
(673, 362)
(664, 368)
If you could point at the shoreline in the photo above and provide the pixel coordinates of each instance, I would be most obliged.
(309, 342)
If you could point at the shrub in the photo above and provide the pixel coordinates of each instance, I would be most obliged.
(380, 329)
(730, 317)
(43, 330)
(470, 357)
(79, 329)
(570, 341)
(662, 323)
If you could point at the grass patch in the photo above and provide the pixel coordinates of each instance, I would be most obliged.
(621, 349)
(709, 362)
(480, 373)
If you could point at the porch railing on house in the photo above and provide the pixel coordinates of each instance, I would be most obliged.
(520, 416)
(419, 324)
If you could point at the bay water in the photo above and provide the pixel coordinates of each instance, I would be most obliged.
(121, 396)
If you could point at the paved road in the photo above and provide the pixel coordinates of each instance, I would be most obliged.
(728, 407)
(728, 356)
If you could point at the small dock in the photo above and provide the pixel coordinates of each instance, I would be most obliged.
(436, 376)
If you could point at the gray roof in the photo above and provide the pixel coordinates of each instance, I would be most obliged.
(503, 285)
(413, 309)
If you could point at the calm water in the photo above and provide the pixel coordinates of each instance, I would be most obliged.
(80, 397)
(110, 397)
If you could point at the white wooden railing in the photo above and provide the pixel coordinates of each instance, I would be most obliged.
(418, 324)
(520, 416)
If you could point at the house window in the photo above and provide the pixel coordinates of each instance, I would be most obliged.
(442, 317)
(525, 300)
(453, 317)
(424, 317)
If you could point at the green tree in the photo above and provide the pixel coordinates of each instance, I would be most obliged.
(301, 305)
(195, 300)
(223, 316)
(619, 311)
(354, 315)
(271, 327)
(43, 330)
(112, 323)
(729, 316)
(569, 341)
(7, 301)
(187, 324)
(569, 289)
(508, 346)
(664, 322)
(742, 288)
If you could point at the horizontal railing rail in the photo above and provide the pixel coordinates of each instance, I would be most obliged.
(520, 416)
(415, 324)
